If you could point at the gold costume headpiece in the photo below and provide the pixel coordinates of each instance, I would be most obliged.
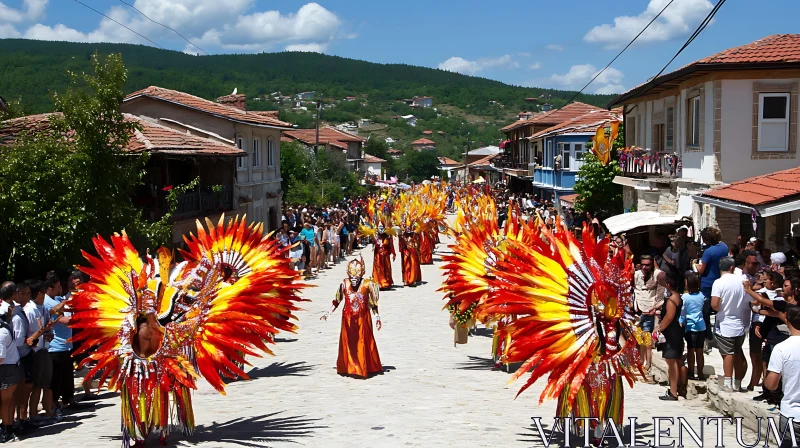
(356, 268)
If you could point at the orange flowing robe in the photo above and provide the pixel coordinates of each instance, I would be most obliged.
(358, 353)
(409, 249)
(382, 266)
(425, 248)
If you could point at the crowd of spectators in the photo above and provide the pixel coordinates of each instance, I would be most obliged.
(37, 361)
(699, 296)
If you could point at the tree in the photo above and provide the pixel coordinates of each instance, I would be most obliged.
(61, 186)
(323, 180)
(419, 165)
(595, 187)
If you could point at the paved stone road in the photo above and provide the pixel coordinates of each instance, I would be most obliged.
(431, 395)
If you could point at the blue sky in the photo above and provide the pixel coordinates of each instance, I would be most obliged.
(548, 44)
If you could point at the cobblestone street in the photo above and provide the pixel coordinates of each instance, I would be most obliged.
(431, 394)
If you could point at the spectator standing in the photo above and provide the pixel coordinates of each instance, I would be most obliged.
(670, 328)
(20, 327)
(10, 370)
(784, 365)
(62, 383)
(730, 302)
(39, 331)
(694, 326)
(648, 297)
(709, 269)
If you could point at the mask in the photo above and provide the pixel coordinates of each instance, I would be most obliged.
(381, 229)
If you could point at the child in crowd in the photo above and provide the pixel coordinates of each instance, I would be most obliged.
(694, 325)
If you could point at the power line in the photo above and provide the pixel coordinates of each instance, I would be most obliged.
(620, 53)
(120, 24)
(165, 26)
(694, 35)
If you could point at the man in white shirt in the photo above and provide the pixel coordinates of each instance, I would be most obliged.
(648, 297)
(732, 305)
(39, 330)
(784, 364)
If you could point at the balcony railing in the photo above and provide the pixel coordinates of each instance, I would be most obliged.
(642, 163)
(204, 200)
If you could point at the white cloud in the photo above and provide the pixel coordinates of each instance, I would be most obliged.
(524, 54)
(8, 31)
(310, 48)
(214, 25)
(31, 10)
(555, 47)
(535, 66)
(677, 20)
(461, 65)
(610, 81)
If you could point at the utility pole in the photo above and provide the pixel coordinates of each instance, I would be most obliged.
(319, 110)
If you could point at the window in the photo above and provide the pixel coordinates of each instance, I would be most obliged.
(658, 138)
(693, 122)
(670, 143)
(241, 162)
(578, 152)
(270, 151)
(631, 141)
(256, 153)
(548, 155)
(564, 150)
(773, 122)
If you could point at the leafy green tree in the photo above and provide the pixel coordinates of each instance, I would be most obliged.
(595, 187)
(419, 165)
(323, 180)
(62, 186)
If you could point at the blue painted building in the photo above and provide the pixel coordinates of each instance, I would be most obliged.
(560, 152)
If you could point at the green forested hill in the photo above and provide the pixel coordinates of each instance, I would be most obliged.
(31, 70)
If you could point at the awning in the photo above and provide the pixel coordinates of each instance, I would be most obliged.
(766, 210)
(627, 221)
(568, 199)
(479, 180)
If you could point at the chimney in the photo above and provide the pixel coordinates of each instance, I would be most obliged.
(237, 100)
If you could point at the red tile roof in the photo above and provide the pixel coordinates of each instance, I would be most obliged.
(571, 198)
(423, 141)
(210, 107)
(760, 190)
(327, 136)
(484, 161)
(153, 138)
(769, 52)
(448, 161)
(587, 123)
(427, 132)
(369, 158)
(394, 151)
(555, 116)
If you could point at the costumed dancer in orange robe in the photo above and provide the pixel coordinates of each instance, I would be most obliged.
(382, 266)
(426, 247)
(358, 353)
(409, 250)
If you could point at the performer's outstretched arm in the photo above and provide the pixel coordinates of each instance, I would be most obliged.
(374, 290)
(334, 304)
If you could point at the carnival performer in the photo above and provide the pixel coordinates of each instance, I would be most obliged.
(409, 242)
(426, 243)
(358, 352)
(383, 242)
(575, 322)
(157, 330)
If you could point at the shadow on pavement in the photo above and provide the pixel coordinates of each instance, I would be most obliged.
(477, 363)
(485, 332)
(285, 340)
(531, 435)
(277, 369)
(258, 431)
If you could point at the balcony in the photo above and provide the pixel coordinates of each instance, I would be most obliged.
(640, 163)
(203, 201)
(544, 177)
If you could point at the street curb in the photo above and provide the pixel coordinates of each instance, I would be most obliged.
(730, 404)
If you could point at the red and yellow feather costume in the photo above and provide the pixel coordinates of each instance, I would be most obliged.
(230, 297)
(574, 306)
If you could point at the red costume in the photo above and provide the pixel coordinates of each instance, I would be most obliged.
(358, 353)
(409, 251)
(426, 247)
(382, 266)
